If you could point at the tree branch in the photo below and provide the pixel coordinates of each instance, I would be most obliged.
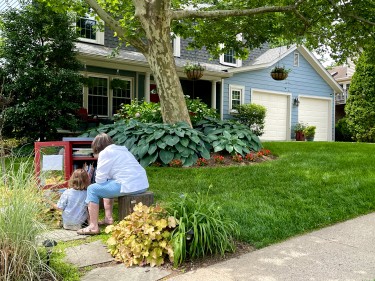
(358, 18)
(181, 14)
(114, 25)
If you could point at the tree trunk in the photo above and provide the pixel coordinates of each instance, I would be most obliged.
(156, 23)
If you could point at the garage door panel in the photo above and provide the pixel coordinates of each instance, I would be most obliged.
(276, 121)
(316, 112)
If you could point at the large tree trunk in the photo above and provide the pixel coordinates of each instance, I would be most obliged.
(156, 23)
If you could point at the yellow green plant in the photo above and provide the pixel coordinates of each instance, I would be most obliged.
(143, 237)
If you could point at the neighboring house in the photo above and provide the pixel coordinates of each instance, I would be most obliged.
(343, 75)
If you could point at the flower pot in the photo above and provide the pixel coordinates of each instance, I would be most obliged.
(194, 74)
(310, 138)
(279, 75)
(300, 136)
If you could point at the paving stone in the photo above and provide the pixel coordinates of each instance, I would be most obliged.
(88, 254)
(122, 273)
(60, 235)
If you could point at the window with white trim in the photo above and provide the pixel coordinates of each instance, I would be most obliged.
(236, 97)
(296, 59)
(121, 95)
(89, 31)
(98, 96)
(229, 58)
(103, 98)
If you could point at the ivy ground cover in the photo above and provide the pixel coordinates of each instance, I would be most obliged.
(309, 186)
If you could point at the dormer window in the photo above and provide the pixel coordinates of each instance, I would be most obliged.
(229, 58)
(88, 30)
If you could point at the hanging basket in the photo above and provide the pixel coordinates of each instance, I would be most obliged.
(279, 75)
(194, 74)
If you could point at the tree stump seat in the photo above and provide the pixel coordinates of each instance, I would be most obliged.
(126, 203)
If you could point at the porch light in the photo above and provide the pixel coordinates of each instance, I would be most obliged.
(296, 101)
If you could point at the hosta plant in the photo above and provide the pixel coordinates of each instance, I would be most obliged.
(143, 237)
(229, 136)
(203, 229)
(161, 143)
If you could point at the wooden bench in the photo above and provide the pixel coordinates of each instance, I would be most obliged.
(126, 203)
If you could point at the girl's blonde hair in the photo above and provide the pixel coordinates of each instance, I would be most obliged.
(100, 142)
(79, 180)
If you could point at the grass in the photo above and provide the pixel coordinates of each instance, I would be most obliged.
(309, 186)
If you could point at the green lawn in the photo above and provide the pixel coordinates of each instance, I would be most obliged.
(310, 185)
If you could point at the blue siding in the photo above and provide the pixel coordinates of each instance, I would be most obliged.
(302, 80)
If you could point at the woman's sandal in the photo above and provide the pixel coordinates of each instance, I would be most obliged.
(103, 222)
(87, 231)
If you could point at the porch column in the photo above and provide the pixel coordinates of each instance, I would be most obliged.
(147, 87)
(213, 94)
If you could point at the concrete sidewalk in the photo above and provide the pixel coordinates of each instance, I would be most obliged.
(345, 251)
(342, 252)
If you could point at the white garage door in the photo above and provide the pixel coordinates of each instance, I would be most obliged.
(277, 115)
(316, 112)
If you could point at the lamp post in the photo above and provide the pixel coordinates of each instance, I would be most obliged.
(49, 244)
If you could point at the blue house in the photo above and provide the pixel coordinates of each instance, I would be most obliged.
(307, 95)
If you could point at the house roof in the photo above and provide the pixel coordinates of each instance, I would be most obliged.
(137, 61)
(342, 72)
(272, 56)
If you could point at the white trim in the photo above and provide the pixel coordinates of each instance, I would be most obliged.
(221, 100)
(232, 87)
(177, 46)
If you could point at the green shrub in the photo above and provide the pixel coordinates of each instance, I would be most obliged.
(252, 115)
(149, 112)
(143, 237)
(230, 136)
(198, 110)
(202, 228)
(20, 207)
(342, 132)
(162, 143)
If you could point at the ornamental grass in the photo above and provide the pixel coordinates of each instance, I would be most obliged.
(20, 206)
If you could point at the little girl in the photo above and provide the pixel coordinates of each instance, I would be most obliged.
(72, 201)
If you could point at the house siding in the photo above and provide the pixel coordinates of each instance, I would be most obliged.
(302, 80)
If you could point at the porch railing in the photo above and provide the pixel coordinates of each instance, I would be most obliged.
(342, 97)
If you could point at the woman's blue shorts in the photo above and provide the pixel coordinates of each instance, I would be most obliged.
(108, 189)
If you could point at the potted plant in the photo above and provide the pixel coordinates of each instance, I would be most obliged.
(299, 131)
(194, 71)
(279, 73)
(309, 133)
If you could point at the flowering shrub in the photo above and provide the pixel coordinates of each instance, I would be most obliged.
(219, 159)
(150, 112)
(250, 157)
(202, 162)
(237, 158)
(175, 163)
